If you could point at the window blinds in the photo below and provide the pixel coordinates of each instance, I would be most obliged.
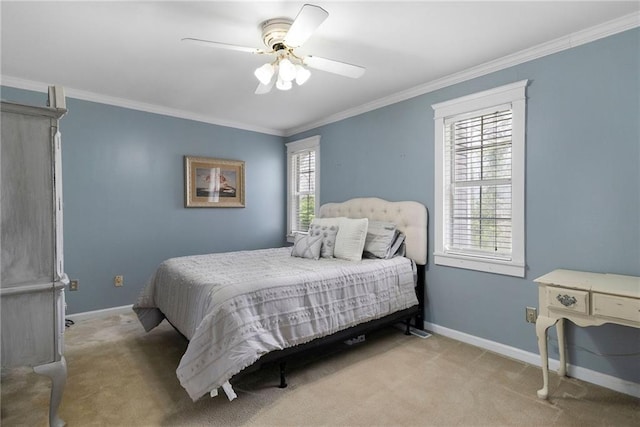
(479, 192)
(304, 181)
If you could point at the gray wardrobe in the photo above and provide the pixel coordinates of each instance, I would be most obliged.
(32, 279)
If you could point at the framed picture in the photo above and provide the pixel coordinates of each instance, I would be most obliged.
(213, 183)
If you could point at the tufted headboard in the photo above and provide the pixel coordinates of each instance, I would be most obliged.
(410, 217)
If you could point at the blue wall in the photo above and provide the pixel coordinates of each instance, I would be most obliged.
(582, 190)
(124, 195)
(123, 189)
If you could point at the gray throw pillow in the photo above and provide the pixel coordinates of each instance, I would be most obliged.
(328, 234)
(306, 246)
(398, 247)
(383, 240)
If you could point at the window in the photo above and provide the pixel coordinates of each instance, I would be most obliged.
(479, 183)
(303, 181)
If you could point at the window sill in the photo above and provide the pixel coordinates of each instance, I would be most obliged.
(507, 268)
(291, 238)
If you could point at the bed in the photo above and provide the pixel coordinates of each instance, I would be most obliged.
(239, 309)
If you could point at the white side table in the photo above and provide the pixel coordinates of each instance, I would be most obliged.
(587, 299)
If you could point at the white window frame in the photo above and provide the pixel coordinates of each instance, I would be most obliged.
(293, 148)
(513, 95)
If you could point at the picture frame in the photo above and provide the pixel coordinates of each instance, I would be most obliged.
(213, 183)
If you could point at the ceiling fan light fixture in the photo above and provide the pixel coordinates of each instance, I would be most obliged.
(283, 85)
(302, 75)
(287, 70)
(282, 36)
(265, 73)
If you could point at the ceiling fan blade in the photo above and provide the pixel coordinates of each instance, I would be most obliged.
(218, 45)
(308, 20)
(262, 89)
(336, 67)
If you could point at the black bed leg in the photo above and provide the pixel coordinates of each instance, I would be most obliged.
(407, 331)
(283, 381)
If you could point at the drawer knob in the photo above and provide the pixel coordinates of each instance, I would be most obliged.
(566, 300)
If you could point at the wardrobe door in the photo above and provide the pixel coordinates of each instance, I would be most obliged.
(28, 235)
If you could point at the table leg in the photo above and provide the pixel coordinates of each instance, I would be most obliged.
(562, 350)
(57, 371)
(543, 323)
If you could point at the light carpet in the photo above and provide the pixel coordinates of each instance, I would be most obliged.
(121, 376)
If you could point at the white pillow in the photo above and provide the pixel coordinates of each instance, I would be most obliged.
(352, 233)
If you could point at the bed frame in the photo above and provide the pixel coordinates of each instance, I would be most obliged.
(411, 218)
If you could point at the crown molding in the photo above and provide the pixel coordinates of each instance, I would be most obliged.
(588, 35)
(126, 103)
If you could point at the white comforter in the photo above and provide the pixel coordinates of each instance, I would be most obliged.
(235, 307)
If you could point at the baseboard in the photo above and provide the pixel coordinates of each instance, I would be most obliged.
(96, 314)
(584, 374)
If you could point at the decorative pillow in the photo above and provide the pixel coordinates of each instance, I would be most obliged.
(328, 233)
(398, 247)
(350, 238)
(380, 236)
(401, 247)
(306, 246)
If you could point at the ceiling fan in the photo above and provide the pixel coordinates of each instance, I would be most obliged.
(282, 36)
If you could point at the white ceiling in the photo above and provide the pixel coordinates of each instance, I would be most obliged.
(130, 53)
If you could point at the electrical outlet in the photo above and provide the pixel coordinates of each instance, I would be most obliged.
(531, 314)
(118, 281)
(73, 285)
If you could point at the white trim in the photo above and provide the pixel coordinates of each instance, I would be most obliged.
(98, 314)
(310, 143)
(578, 38)
(588, 375)
(583, 374)
(513, 95)
(134, 105)
(488, 265)
(313, 142)
(485, 99)
(588, 35)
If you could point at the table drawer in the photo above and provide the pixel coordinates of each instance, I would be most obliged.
(568, 299)
(617, 307)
